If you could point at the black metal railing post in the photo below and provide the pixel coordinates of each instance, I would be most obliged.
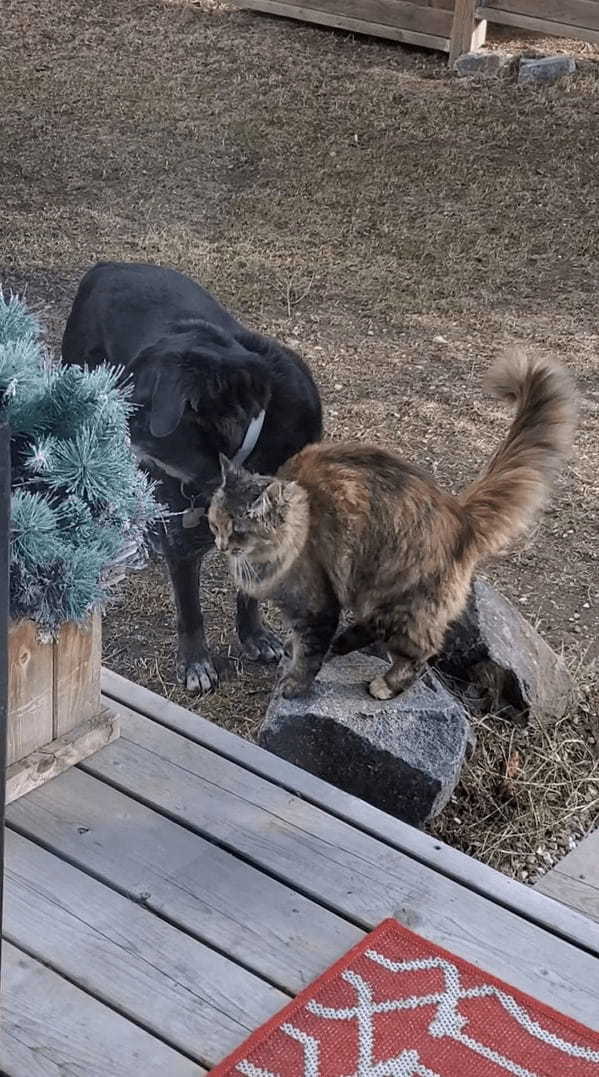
(4, 616)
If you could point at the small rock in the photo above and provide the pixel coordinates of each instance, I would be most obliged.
(440, 340)
(515, 671)
(404, 756)
(483, 64)
(546, 69)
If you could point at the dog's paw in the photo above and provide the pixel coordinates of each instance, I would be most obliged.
(199, 676)
(262, 646)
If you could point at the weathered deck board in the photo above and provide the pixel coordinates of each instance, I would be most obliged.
(50, 1028)
(196, 1000)
(575, 880)
(201, 888)
(444, 860)
(350, 872)
(187, 892)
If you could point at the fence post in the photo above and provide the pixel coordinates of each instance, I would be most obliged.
(4, 615)
(466, 34)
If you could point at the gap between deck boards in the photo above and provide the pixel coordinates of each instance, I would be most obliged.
(123, 955)
(50, 1024)
(185, 879)
(336, 865)
(529, 904)
(200, 811)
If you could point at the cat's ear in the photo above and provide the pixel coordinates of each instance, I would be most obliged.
(275, 495)
(227, 469)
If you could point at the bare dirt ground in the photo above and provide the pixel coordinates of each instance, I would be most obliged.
(395, 224)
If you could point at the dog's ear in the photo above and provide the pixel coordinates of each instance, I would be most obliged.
(168, 402)
(159, 388)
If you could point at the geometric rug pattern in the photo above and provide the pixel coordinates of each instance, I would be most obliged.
(398, 1006)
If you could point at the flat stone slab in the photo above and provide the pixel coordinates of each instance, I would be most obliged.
(484, 64)
(497, 651)
(546, 69)
(404, 756)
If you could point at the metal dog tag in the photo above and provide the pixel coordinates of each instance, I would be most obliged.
(192, 517)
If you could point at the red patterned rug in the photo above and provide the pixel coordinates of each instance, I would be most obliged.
(398, 1006)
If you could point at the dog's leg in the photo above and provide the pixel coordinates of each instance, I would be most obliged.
(195, 669)
(258, 642)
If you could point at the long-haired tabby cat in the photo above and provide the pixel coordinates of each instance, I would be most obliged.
(353, 526)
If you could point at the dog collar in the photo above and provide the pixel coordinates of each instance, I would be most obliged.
(249, 442)
(193, 515)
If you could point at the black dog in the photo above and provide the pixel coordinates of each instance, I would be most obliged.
(203, 385)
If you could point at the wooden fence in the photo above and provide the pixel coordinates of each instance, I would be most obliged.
(433, 24)
(452, 26)
(566, 18)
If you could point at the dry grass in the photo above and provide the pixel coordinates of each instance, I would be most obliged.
(395, 223)
(529, 795)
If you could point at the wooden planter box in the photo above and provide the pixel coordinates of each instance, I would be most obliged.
(450, 26)
(55, 713)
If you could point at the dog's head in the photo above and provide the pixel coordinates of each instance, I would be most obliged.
(199, 375)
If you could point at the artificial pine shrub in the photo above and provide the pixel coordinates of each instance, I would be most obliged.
(80, 507)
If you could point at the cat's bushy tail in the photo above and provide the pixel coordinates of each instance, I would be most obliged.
(503, 502)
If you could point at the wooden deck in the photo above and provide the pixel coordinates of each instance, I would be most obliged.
(172, 892)
(575, 879)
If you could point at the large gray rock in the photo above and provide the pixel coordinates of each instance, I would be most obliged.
(404, 756)
(546, 69)
(496, 652)
(484, 64)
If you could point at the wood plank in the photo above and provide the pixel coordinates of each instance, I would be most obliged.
(462, 29)
(572, 892)
(575, 879)
(29, 691)
(77, 668)
(52, 759)
(479, 35)
(400, 14)
(346, 870)
(197, 886)
(418, 845)
(579, 13)
(51, 1028)
(343, 22)
(539, 26)
(582, 862)
(193, 998)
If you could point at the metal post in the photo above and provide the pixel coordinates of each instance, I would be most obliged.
(4, 616)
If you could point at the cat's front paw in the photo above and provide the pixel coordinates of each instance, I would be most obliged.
(379, 689)
(293, 685)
